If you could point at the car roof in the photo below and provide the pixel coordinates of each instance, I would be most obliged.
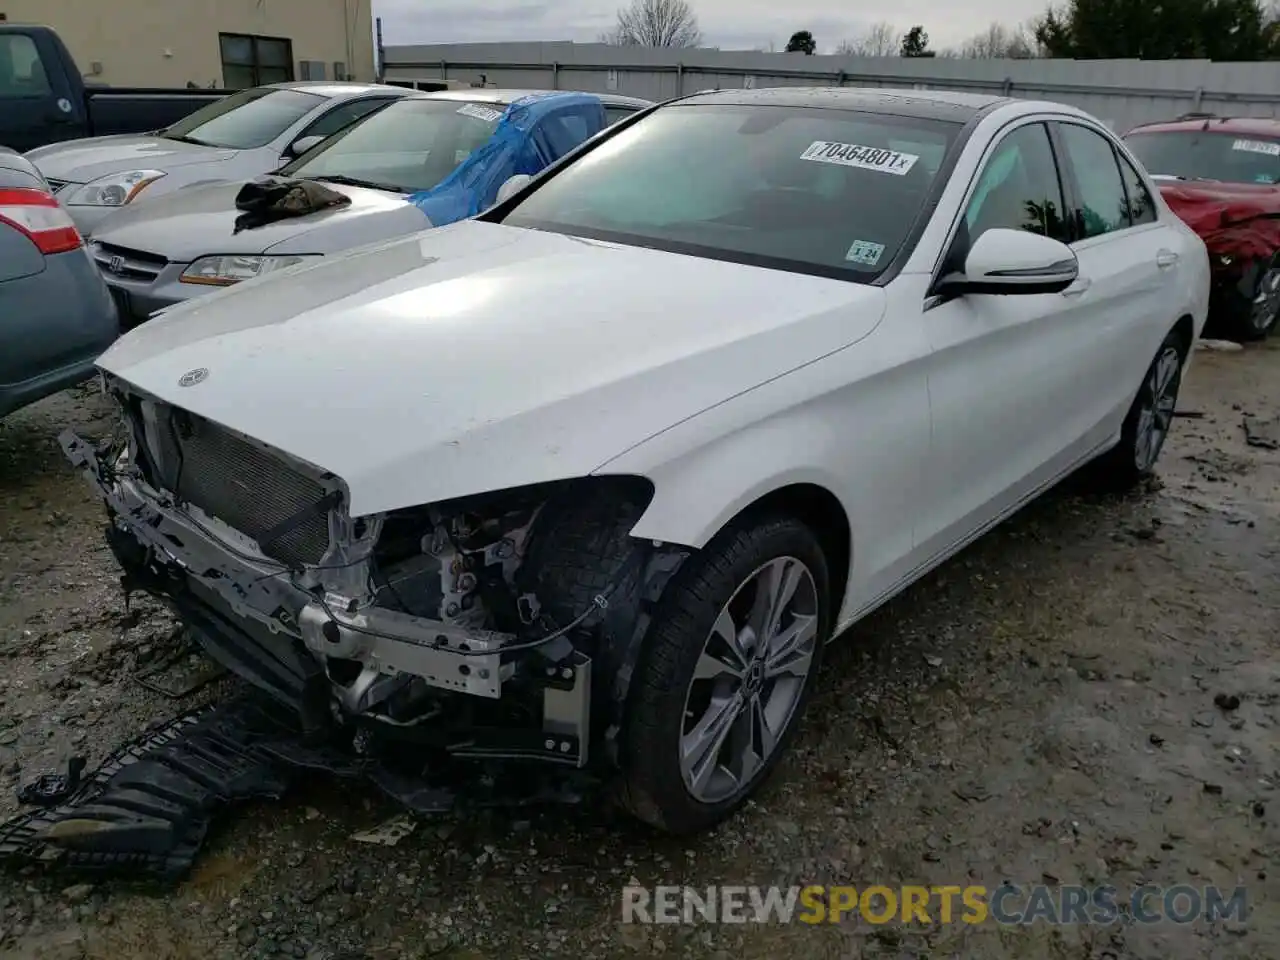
(925, 104)
(491, 95)
(1263, 126)
(335, 89)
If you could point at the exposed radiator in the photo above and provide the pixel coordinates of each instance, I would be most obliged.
(245, 486)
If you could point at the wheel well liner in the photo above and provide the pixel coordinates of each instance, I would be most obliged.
(820, 510)
(1186, 330)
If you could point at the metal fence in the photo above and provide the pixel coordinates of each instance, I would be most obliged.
(1121, 92)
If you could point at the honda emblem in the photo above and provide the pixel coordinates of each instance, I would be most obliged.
(116, 264)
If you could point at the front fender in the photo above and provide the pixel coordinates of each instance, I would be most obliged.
(855, 423)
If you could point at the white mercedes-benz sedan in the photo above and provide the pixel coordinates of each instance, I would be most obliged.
(589, 480)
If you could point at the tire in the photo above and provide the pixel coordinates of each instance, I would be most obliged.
(1147, 424)
(1250, 315)
(670, 703)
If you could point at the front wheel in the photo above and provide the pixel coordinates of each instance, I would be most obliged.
(728, 666)
(1250, 315)
(1150, 417)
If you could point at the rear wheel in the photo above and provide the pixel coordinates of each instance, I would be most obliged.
(1150, 417)
(727, 669)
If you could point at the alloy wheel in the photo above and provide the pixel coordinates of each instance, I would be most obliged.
(1266, 301)
(1155, 416)
(749, 679)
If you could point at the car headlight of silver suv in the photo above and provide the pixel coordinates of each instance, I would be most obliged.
(222, 270)
(113, 190)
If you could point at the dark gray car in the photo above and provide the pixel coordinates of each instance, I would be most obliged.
(57, 313)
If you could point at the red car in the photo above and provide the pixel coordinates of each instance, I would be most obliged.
(1222, 176)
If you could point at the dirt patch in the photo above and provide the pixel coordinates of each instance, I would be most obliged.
(1088, 695)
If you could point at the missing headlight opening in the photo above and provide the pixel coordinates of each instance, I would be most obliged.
(501, 625)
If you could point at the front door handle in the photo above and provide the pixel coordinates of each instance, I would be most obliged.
(1080, 286)
(1166, 259)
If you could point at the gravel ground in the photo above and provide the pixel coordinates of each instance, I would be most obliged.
(1041, 709)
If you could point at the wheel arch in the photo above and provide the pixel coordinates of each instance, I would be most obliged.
(806, 495)
(822, 512)
(1185, 328)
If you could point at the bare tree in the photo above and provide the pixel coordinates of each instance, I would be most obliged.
(880, 40)
(656, 23)
(998, 42)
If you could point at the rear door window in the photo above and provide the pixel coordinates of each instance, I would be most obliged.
(1142, 209)
(613, 114)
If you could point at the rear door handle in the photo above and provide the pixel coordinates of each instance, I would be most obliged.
(1166, 259)
(1080, 286)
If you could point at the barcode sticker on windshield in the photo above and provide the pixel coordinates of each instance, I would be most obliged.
(865, 158)
(1257, 146)
(488, 114)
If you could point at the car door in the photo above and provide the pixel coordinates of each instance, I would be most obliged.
(1009, 374)
(1127, 260)
(37, 104)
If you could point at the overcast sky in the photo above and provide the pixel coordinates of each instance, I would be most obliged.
(731, 24)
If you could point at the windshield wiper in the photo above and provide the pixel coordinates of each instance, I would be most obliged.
(357, 182)
(182, 139)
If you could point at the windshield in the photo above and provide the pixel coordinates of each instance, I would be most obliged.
(813, 190)
(409, 146)
(1208, 155)
(245, 120)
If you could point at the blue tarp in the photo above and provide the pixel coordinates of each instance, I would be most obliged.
(533, 132)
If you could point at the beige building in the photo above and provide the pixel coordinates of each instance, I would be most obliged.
(218, 43)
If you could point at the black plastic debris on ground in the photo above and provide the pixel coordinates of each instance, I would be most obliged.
(147, 809)
(53, 788)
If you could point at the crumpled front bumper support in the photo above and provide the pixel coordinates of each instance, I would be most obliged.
(234, 606)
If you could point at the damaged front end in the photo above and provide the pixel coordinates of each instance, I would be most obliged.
(456, 630)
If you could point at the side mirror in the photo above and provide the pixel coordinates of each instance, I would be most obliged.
(1003, 261)
(512, 186)
(302, 145)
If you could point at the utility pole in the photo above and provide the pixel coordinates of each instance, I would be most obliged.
(378, 51)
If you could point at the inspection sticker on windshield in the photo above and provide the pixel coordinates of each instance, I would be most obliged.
(1257, 146)
(864, 251)
(487, 114)
(865, 158)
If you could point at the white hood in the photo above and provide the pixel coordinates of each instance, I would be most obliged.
(479, 357)
(81, 161)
